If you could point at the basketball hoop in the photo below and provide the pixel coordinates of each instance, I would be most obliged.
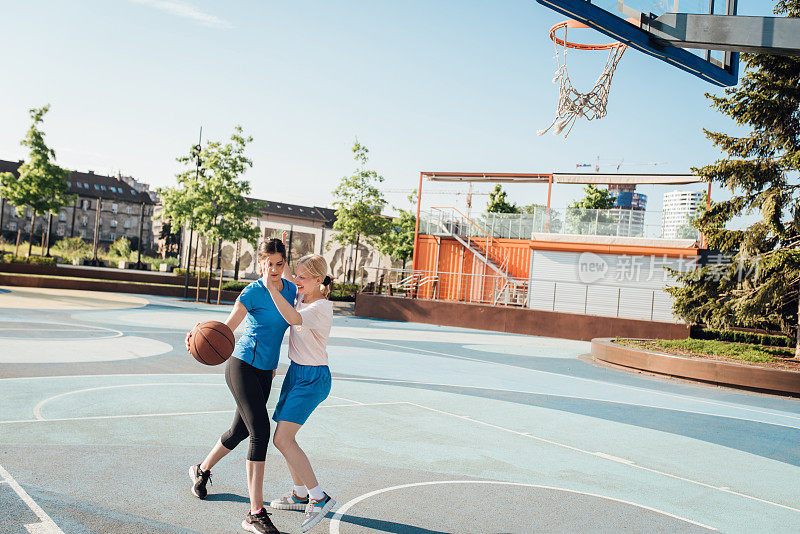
(571, 103)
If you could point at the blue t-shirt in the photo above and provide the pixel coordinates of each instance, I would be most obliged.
(264, 326)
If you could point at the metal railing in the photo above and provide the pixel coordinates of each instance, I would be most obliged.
(574, 221)
(478, 288)
(605, 300)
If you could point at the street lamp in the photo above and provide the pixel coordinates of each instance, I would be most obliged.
(197, 149)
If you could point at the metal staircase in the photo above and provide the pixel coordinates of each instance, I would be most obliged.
(452, 223)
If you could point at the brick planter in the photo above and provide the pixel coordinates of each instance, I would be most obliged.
(715, 371)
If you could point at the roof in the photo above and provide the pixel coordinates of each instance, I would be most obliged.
(326, 216)
(90, 185)
(564, 178)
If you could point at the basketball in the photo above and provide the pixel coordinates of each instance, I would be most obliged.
(211, 342)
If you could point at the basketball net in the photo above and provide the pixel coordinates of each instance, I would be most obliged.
(571, 103)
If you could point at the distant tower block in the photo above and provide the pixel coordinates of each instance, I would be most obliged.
(679, 208)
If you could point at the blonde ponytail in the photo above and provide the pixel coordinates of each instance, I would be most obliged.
(317, 267)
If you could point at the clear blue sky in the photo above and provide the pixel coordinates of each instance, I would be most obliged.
(425, 85)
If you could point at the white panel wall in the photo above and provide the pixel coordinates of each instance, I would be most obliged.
(603, 284)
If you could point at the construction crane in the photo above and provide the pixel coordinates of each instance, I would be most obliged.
(597, 164)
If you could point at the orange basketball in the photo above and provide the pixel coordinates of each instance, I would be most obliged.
(211, 342)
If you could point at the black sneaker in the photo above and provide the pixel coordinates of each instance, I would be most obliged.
(199, 480)
(259, 523)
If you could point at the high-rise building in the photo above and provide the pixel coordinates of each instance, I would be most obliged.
(628, 210)
(679, 208)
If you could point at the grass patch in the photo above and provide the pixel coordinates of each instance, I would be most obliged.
(704, 348)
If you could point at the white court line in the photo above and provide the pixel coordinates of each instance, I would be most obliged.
(81, 326)
(335, 520)
(348, 400)
(37, 410)
(542, 393)
(634, 388)
(368, 379)
(609, 457)
(174, 414)
(47, 525)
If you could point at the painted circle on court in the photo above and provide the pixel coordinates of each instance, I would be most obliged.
(495, 506)
(54, 331)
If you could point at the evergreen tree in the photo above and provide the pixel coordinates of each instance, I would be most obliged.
(760, 288)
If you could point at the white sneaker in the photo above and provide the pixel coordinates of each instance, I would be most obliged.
(290, 501)
(316, 510)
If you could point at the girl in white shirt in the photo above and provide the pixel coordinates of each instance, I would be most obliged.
(307, 382)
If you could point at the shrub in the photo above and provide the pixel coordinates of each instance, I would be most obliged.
(235, 285)
(33, 260)
(72, 247)
(193, 273)
(120, 248)
(736, 336)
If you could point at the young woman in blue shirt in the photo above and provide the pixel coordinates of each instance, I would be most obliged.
(249, 373)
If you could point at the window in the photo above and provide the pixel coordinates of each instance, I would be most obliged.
(128, 210)
(84, 221)
(101, 222)
(113, 236)
(87, 204)
(113, 224)
(114, 208)
(132, 193)
(62, 216)
(12, 225)
(127, 224)
(97, 187)
(60, 231)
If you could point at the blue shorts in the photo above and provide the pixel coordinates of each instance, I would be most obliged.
(304, 388)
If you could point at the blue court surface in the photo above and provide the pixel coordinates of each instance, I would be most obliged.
(428, 430)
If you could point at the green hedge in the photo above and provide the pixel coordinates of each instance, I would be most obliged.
(234, 285)
(193, 273)
(735, 336)
(35, 260)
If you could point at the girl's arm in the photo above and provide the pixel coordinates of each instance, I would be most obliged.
(287, 310)
(236, 316)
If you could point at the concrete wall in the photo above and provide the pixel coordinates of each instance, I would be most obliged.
(512, 320)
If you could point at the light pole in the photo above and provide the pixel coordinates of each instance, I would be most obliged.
(191, 227)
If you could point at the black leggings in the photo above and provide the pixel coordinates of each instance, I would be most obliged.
(250, 387)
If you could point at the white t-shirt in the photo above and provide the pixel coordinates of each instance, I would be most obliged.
(307, 341)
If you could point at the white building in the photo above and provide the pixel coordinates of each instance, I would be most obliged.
(679, 208)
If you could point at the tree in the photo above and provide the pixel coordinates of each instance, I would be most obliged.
(585, 215)
(595, 198)
(398, 241)
(359, 203)
(760, 288)
(530, 209)
(41, 185)
(497, 202)
(215, 202)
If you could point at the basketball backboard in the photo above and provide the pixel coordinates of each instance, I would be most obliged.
(616, 19)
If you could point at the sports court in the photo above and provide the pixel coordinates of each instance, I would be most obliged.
(428, 429)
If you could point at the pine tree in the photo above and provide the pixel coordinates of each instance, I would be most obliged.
(760, 288)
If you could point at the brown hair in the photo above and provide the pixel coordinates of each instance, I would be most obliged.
(271, 246)
(317, 266)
